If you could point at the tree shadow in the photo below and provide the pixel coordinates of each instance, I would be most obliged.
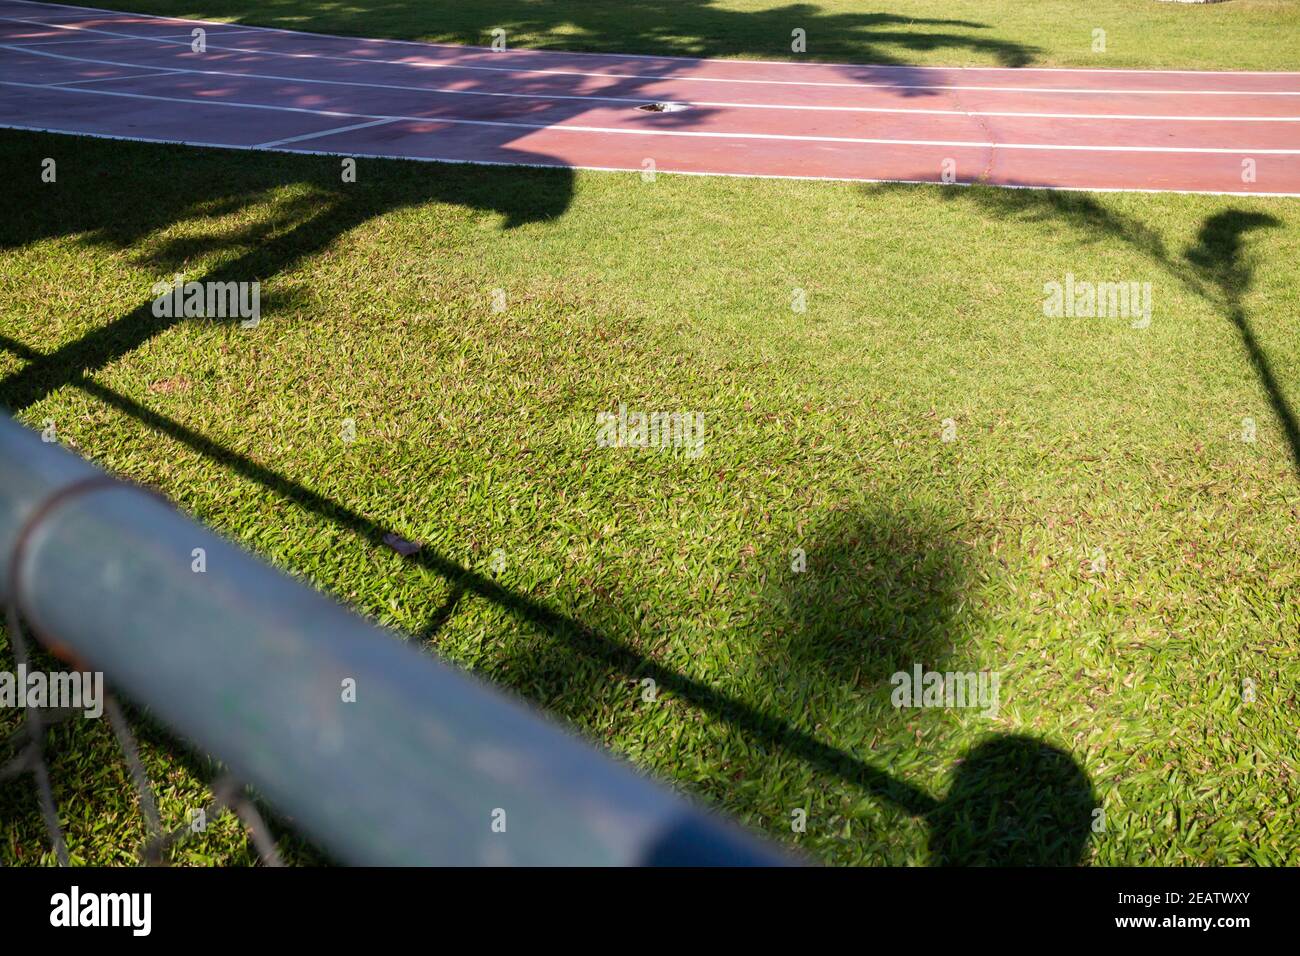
(1217, 268)
(890, 574)
(1219, 258)
(113, 213)
(891, 578)
(479, 115)
(118, 208)
(693, 28)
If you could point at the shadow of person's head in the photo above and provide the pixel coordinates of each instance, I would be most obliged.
(1014, 801)
(868, 593)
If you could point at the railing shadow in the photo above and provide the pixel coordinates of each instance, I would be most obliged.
(957, 833)
(306, 227)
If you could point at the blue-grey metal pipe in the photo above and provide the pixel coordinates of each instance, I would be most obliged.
(427, 766)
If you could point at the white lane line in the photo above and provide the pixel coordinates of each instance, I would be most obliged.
(213, 29)
(104, 79)
(702, 134)
(182, 39)
(325, 132)
(361, 154)
(707, 104)
(70, 16)
(690, 79)
(1093, 71)
(26, 46)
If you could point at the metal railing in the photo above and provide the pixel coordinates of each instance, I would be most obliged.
(375, 750)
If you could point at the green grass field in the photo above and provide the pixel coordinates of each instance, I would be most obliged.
(1105, 530)
(1241, 35)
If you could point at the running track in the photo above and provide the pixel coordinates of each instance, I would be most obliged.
(79, 70)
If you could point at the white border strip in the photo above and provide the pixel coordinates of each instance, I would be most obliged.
(158, 72)
(325, 132)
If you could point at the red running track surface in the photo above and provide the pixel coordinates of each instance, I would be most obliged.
(79, 70)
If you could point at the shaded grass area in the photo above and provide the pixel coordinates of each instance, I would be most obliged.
(1073, 438)
(1242, 35)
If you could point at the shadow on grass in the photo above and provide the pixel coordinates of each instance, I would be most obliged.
(112, 203)
(1216, 268)
(1014, 801)
(1218, 258)
(896, 586)
(879, 594)
(575, 644)
(697, 28)
(1003, 778)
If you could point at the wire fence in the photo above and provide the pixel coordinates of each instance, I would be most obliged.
(26, 749)
(377, 752)
(28, 743)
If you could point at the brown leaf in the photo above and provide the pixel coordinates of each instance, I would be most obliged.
(401, 545)
(165, 386)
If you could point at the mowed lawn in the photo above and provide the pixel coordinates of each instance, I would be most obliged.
(1241, 35)
(1103, 515)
